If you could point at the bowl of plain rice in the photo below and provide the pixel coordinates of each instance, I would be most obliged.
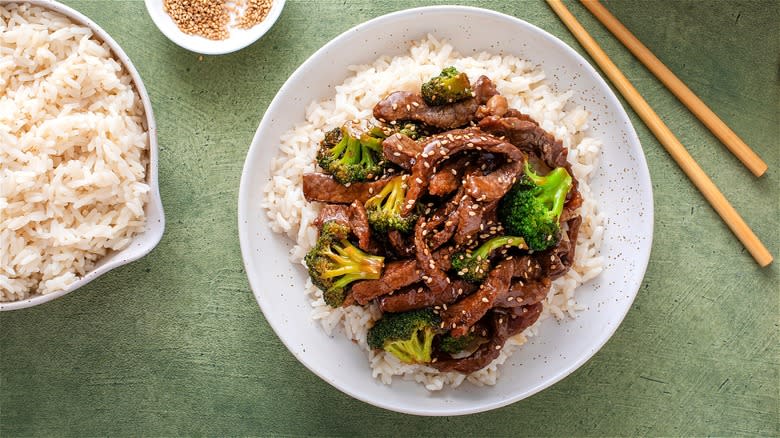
(540, 76)
(78, 147)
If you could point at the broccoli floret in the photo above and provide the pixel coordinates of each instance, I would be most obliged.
(384, 208)
(533, 207)
(452, 345)
(350, 157)
(334, 263)
(407, 336)
(409, 128)
(450, 86)
(475, 266)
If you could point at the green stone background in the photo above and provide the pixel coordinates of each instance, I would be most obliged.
(174, 344)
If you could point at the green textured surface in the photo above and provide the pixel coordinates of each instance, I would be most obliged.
(174, 344)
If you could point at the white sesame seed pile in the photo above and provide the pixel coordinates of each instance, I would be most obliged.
(212, 18)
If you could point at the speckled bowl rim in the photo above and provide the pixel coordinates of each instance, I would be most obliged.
(247, 209)
(155, 218)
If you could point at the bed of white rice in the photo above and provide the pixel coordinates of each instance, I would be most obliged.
(73, 152)
(524, 85)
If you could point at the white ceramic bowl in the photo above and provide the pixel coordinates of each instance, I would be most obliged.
(622, 186)
(239, 38)
(142, 243)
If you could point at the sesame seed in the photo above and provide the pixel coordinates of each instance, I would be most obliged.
(485, 300)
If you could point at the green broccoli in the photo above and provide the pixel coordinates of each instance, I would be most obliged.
(452, 345)
(384, 208)
(533, 207)
(450, 86)
(334, 263)
(475, 266)
(409, 128)
(407, 336)
(350, 157)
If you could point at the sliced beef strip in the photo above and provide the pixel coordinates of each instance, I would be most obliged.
(557, 260)
(523, 293)
(401, 246)
(323, 188)
(396, 275)
(332, 212)
(474, 218)
(401, 150)
(434, 274)
(528, 268)
(525, 133)
(495, 106)
(358, 222)
(466, 312)
(493, 186)
(419, 297)
(404, 105)
(440, 227)
(440, 147)
(528, 136)
(484, 89)
(353, 216)
(503, 324)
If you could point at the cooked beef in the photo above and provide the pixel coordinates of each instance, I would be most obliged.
(493, 186)
(403, 105)
(442, 146)
(440, 227)
(419, 296)
(503, 326)
(395, 276)
(523, 293)
(474, 219)
(434, 275)
(528, 136)
(557, 260)
(528, 268)
(401, 246)
(463, 314)
(483, 89)
(323, 188)
(353, 216)
(358, 222)
(401, 150)
(495, 106)
(332, 212)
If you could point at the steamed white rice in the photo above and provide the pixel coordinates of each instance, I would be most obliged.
(73, 152)
(524, 86)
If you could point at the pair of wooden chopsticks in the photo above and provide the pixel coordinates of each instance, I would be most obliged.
(660, 130)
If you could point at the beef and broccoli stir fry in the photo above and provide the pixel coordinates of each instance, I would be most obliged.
(452, 212)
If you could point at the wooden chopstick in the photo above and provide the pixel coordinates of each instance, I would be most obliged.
(667, 138)
(711, 120)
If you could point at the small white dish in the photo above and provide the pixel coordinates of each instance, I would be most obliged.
(142, 243)
(239, 38)
(621, 187)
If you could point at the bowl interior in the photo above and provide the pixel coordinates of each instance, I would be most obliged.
(144, 242)
(622, 187)
(239, 38)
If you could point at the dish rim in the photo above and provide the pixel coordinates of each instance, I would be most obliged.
(621, 115)
(154, 202)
